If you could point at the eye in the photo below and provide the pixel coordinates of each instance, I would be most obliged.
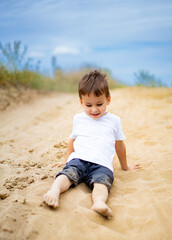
(99, 104)
(88, 105)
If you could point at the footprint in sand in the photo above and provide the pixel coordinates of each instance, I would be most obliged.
(61, 144)
(4, 194)
(20, 182)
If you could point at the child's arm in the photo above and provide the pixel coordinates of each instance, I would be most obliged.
(121, 153)
(70, 149)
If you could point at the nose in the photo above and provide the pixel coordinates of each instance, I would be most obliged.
(94, 109)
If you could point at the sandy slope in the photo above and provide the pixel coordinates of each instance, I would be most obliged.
(34, 135)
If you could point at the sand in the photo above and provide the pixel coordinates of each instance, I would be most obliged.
(34, 135)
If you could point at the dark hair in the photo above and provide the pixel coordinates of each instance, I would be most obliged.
(94, 82)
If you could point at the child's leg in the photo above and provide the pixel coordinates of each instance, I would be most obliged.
(60, 185)
(100, 196)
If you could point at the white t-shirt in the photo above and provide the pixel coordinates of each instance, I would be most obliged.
(95, 139)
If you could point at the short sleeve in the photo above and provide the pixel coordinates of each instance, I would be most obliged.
(73, 135)
(119, 133)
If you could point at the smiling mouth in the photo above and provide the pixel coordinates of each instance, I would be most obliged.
(95, 114)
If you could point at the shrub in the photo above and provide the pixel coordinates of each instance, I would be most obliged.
(18, 70)
(144, 78)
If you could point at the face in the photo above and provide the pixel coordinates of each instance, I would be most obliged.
(94, 106)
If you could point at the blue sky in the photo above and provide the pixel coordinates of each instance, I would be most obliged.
(123, 36)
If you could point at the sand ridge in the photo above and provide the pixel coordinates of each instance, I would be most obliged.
(34, 135)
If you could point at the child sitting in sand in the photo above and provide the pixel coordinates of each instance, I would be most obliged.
(91, 149)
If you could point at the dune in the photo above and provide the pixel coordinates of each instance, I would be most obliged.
(34, 135)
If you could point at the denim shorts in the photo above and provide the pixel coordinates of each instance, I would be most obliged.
(79, 171)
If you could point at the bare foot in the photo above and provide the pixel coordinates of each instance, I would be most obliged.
(52, 199)
(102, 208)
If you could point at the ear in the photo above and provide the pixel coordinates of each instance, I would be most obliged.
(80, 101)
(108, 100)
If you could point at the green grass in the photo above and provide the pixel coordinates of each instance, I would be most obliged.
(24, 78)
(62, 81)
(68, 81)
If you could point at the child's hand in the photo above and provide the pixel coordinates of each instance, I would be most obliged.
(59, 164)
(133, 167)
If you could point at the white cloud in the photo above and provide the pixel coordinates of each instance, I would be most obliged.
(65, 50)
(121, 35)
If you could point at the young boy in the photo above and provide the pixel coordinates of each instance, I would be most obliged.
(91, 149)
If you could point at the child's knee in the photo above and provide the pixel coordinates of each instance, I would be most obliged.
(71, 173)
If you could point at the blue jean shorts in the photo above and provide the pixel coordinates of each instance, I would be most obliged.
(79, 171)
